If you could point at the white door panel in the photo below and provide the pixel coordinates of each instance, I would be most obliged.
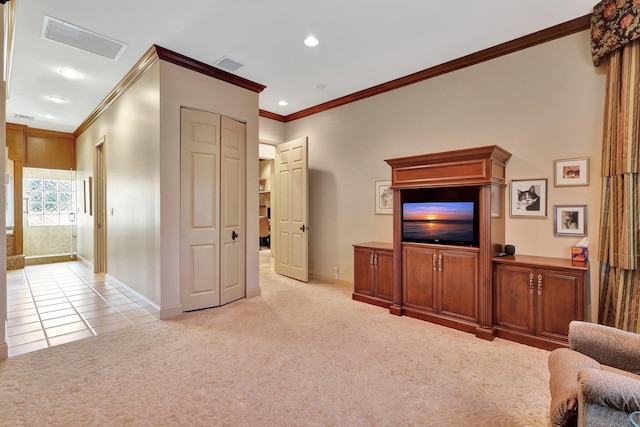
(233, 207)
(291, 217)
(199, 256)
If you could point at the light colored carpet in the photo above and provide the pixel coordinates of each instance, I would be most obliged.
(299, 355)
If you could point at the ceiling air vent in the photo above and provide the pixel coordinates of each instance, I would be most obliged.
(23, 116)
(78, 38)
(227, 64)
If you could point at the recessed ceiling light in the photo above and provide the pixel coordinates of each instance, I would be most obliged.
(57, 99)
(69, 73)
(48, 116)
(311, 41)
(283, 103)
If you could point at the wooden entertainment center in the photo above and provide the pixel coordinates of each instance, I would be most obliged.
(462, 284)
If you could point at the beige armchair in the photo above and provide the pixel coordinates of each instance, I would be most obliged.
(595, 381)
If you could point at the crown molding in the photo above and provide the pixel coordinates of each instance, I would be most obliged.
(539, 37)
(202, 68)
(273, 116)
(150, 58)
(147, 60)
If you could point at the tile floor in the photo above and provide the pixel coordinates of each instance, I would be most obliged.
(53, 304)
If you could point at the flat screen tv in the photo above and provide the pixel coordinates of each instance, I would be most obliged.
(440, 222)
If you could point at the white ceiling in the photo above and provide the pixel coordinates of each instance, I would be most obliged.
(363, 43)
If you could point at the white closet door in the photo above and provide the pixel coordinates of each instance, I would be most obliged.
(232, 229)
(200, 210)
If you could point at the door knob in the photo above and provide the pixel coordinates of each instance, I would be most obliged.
(234, 235)
(303, 228)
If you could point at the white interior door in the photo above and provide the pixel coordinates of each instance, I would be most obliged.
(232, 229)
(291, 212)
(199, 209)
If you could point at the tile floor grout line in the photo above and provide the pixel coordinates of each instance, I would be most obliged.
(86, 324)
(56, 283)
(102, 297)
(35, 305)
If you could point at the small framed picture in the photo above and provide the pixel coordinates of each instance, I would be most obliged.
(384, 198)
(571, 172)
(570, 220)
(528, 198)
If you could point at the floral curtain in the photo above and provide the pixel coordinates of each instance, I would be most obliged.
(614, 23)
(620, 229)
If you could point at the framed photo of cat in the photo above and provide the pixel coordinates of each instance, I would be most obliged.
(570, 172)
(570, 220)
(528, 198)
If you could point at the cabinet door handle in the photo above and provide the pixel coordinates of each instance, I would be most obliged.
(440, 263)
(375, 261)
(371, 260)
(434, 261)
(539, 284)
(530, 283)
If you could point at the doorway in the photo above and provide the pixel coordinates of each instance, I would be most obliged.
(265, 207)
(49, 215)
(100, 217)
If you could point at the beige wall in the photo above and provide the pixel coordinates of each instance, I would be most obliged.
(182, 87)
(132, 132)
(541, 104)
(142, 148)
(271, 130)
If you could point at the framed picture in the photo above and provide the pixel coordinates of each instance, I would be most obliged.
(87, 199)
(384, 198)
(570, 220)
(570, 172)
(528, 198)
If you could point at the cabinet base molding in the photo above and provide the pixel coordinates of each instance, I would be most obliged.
(460, 325)
(396, 310)
(528, 339)
(371, 300)
(488, 334)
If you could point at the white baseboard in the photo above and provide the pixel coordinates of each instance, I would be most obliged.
(85, 262)
(4, 351)
(253, 292)
(171, 311)
(330, 279)
(156, 309)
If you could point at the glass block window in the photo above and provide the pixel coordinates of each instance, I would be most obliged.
(50, 202)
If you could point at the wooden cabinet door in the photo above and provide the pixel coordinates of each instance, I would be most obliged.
(515, 291)
(458, 271)
(419, 277)
(559, 298)
(363, 274)
(383, 280)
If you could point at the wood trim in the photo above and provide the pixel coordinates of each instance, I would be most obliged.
(49, 149)
(202, 68)
(272, 116)
(14, 141)
(539, 37)
(143, 64)
(150, 58)
(48, 134)
(18, 231)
